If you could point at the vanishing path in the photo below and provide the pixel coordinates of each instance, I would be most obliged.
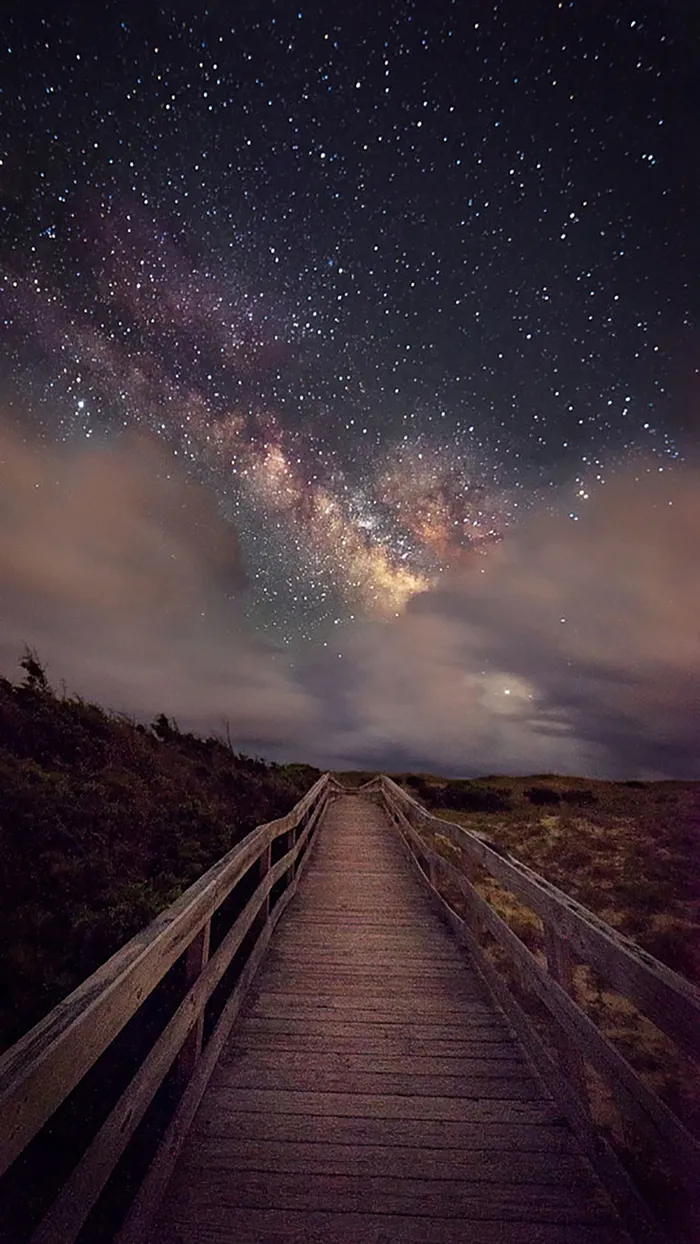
(370, 1091)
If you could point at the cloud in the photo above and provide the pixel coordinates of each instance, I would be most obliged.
(127, 580)
(575, 646)
(572, 647)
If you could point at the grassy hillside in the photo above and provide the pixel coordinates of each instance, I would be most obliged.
(103, 822)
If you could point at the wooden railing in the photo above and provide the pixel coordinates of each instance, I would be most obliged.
(40, 1072)
(571, 935)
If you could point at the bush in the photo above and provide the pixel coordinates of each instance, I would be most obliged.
(578, 796)
(419, 785)
(542, 795)
(468, 797)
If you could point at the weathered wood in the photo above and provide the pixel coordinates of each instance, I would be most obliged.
(145, 1205)
(79, 1194)
(264, 866)
(287, 1226)
(411, 1135)
(449, 1198)
(500, 1087)
(195, 959)
(374, 1030)
(370, 1082)
(656, 1121)
(282, 1006)
(252, 1060)
(485, 1045)
(561, 965)
(38, 1073)
(40, 1070)
(436, 978)
(368, 1067)
(70, 1210)
(483, 1165)
(150, 1194)
(626, 1196)
(669, 1000)
(636, 1214)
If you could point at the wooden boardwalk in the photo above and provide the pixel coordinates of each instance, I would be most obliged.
(370, 1091)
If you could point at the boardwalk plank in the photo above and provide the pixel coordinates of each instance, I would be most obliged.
(414, 1035)
(259, 1061)
(284, 1226)
(378, 1106)
(533, 1166)
(456, 1198)
(273, 1002)
(346, 1039)
(499, 1087)
(418, 1135)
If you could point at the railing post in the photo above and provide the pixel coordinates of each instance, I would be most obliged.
(561, 965)
(196, 957)
(264, 866)
(290, 840)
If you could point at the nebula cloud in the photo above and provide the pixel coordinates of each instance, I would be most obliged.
(195, 358)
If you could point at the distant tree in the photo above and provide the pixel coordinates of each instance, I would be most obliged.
(164, 728)
(34, 673)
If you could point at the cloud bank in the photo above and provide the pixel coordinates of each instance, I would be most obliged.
(127, 581)
(572, 647)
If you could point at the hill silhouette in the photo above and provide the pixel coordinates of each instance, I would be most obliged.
(103, 822)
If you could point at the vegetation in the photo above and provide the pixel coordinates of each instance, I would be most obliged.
(629, 851)
(103, 822)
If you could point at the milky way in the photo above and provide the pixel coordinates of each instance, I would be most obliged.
(379, 278)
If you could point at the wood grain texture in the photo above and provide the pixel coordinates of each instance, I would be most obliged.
(660, 1126)
(69, 1211)
(40, 1070)
(370, 1090)
(144, 1207)
(286, 1226)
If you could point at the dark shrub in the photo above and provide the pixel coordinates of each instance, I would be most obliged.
(418, 784)
(578, 796)
(543, 795)
(465, 797)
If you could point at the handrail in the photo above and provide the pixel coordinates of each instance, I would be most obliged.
(669, 1000)
(571, 934)
(39, 1072)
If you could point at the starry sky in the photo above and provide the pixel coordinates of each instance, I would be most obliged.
(317, 320)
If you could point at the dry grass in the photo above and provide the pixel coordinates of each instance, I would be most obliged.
(630, 853)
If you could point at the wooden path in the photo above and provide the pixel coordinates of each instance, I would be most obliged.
(370, 1090)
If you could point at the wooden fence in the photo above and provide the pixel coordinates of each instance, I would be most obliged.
(571, 935)
(39, 1073)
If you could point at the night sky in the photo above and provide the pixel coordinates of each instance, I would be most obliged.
(349, 374)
